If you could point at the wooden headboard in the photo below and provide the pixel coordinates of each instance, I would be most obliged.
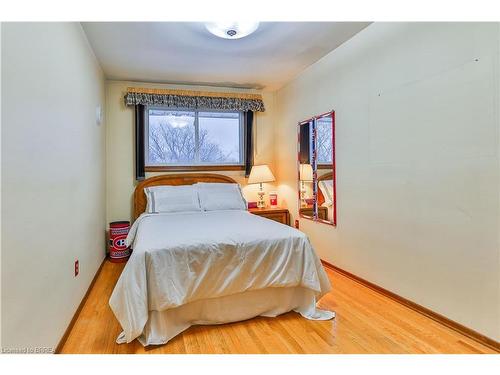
(326, 176)
(140, 200)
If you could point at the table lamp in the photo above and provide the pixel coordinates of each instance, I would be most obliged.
(258, 175)
(305, 175)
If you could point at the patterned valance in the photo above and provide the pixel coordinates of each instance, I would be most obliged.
(195, 99)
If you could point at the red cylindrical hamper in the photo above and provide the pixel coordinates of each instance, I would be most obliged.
(118, 251)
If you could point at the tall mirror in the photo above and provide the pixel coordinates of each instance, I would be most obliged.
(316, 168)
(325, 162)
(305, 172)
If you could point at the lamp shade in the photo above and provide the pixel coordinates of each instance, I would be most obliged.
(306, 172)
(259, 174)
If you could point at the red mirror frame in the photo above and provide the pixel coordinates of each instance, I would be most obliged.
(314, 164)
(299, 188)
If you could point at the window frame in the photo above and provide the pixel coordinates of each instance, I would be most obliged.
(148, 167)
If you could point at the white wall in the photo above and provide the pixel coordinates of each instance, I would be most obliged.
(53, 179)
(120, 146)
(418, 175)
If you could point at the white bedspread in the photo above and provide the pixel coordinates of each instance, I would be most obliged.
(179, 258)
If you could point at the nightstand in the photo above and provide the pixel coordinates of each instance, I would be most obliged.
(281, 215)
(308, 211)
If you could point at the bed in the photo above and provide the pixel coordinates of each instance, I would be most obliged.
(211, 267)
(325, 193)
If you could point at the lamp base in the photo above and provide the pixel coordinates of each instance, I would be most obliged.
(261, 203)
(303, 202)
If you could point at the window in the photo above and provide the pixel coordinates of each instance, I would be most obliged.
(324, 133)
(187, 138)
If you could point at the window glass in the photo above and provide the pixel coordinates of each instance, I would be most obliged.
(177, 137)
(324, 140)
(219, 137)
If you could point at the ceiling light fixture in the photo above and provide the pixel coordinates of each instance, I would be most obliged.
(232, 30)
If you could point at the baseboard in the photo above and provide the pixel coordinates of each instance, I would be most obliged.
(495, 345)
(77, 312)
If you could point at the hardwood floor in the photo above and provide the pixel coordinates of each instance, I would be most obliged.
(367, 322)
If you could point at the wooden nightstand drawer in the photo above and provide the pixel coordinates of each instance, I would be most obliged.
(281, 215)
(308, 211)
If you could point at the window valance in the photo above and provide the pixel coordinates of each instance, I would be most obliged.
(195, 99)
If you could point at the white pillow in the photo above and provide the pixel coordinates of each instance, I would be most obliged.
(172, 199)
(326, 187)
(220, 196)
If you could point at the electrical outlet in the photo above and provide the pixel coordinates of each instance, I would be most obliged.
(297, 224)
(77, 267)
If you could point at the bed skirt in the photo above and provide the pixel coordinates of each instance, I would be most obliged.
(162, 326)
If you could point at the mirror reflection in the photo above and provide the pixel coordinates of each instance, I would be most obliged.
(324, 137)
(306, 193)
(317, 200)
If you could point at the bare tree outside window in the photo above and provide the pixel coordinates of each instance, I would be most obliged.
(175, 137)
(324, 140)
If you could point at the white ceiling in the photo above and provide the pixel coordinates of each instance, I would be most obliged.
(185, 52)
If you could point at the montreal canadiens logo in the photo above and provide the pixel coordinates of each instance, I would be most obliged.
(119, 243)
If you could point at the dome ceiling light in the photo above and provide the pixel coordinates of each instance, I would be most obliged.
(232, 30)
